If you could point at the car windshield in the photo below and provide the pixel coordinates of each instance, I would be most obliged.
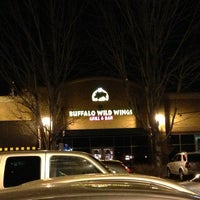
(194, 158)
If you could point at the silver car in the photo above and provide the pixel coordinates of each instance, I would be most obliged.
(100, 187)
(184, 164)
(19, 167)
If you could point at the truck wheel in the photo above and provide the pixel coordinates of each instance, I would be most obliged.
(168, 173)
(181, 175)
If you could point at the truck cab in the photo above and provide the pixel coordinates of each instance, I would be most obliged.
(18, 167)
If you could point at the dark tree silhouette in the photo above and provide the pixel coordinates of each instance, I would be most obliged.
(39, 46)
(150, 42)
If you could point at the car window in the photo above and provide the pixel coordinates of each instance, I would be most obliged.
(179, 158)
(71, 165)
(21, 169)
(184, 158)
(176, 158)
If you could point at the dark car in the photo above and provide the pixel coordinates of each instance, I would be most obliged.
(100, 187)
(116, 166)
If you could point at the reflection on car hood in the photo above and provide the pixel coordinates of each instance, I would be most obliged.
(191, 185)
(106, 177)
(98, 187)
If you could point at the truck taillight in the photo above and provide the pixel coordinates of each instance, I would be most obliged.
(187, 165)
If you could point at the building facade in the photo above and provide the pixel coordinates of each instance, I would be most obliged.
(185, 134)
(100, 120)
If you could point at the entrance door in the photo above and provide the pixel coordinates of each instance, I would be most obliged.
(103, 153)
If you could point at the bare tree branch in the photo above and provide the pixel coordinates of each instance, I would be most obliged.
(39, 48)
(148, 42)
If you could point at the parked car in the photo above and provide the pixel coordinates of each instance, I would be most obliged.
(116, 166)
(100, 187)
(193, 184)
(184, 164)
(17, 167)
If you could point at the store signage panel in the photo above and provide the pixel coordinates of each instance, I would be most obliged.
(99, 115)
(100, 95)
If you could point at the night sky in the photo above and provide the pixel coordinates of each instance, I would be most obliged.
(89, 62)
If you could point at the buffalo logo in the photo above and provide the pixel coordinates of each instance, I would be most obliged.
(100, 95)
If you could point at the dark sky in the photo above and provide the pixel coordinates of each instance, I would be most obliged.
(4, 90)
(90, 63)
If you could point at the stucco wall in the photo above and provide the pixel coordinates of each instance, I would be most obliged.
(187, 119)
(10, 110)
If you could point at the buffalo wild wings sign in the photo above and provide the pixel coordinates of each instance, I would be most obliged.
(100, 95)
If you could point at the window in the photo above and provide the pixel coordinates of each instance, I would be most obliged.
(179, 158)
(21, 169)
(69, 165)
(176, 158)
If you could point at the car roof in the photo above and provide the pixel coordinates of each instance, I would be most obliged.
(36, 152)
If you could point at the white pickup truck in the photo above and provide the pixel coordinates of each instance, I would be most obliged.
(18, 167)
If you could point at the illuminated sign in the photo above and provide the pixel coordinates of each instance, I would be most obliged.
(100, 95)
(99, 115)
(89, 113)
(101, 118)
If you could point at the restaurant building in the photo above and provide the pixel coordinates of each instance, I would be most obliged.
(101, 121)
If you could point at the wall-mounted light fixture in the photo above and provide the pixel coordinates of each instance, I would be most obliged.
(47, 125)
(46, 122)
(160, 118)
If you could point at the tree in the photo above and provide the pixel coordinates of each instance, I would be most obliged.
(150, 42)
(39, 48)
